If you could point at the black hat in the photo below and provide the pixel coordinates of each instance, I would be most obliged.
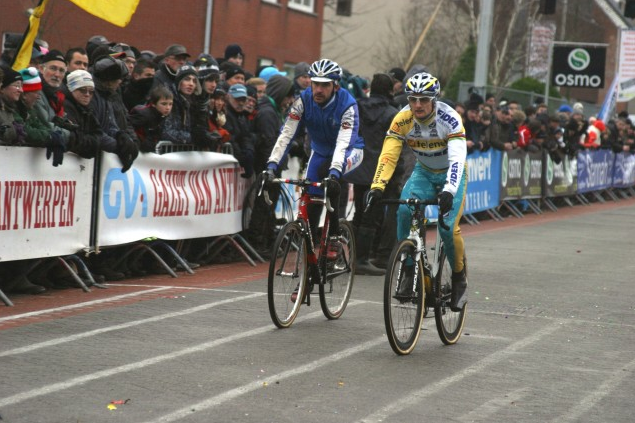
(176, 50)
(109, 69)
(219, 92)
(252, 91)
(53, 55)
(9, 76)
(207, 66)
(184, 71)
(397, 74)
(232, 71)
(233, 50)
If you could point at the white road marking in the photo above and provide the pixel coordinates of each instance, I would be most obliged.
(589, 401)
(485, 411)
(399, 405)
(80, 305)
(130, 367)
(126, 325)
(258, 384)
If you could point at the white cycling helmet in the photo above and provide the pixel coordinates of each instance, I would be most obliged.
(325, 70)
(424, 84)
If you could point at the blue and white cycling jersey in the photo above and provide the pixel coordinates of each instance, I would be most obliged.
(333, 128)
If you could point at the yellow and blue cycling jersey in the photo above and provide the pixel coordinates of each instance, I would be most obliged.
(438, 143)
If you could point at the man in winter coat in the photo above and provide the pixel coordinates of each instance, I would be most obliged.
(376, 114)
(278, 96)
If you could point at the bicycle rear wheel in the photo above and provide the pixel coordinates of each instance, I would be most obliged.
(403, 298)
(339, 275)
(449, 323)
(287, 273)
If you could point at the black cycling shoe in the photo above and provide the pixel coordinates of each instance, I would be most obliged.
(458, 299)
(406, 278)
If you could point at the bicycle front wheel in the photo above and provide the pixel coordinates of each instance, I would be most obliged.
(449, 323)
(287, 275)
(339, 275)
(403, 298)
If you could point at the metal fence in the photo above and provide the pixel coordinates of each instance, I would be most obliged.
(525, 98)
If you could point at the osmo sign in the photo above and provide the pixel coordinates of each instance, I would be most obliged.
(578, 66)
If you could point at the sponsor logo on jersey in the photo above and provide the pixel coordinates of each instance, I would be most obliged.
(454, 173)
(403, 122)
(446, 117)
(417, 131)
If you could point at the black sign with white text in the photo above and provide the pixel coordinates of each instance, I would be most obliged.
(578, 67)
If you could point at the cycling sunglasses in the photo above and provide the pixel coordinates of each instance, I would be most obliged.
(421, 99)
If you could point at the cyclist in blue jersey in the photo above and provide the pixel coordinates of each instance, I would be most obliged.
(331, 118)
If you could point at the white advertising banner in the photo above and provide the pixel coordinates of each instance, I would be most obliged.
(173, 196)
(626, 66)
(45, 211)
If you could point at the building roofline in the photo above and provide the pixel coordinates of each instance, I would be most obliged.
(614, 14)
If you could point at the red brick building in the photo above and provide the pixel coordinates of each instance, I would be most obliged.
(280, 31)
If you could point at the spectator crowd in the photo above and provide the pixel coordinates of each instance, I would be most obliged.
(109, 96)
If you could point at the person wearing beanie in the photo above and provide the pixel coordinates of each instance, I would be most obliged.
(301, 78)
(397, 75)
(272, 106)
(178, 125)
(111, 112)
(38, 134)
(11, 132)
(234, 54)
(578, 108)
(89, 137)
(49, 108)
(272, 109)
(376, 114)
(270, 71)
(217, 117)
(234, 74)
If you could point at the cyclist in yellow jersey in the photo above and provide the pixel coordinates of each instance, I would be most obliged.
(434, 132)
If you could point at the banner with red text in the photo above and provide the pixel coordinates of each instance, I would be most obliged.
(45, 211)
(173, 196)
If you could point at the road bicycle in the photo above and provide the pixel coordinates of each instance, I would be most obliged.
(406, 301)
(298, 263)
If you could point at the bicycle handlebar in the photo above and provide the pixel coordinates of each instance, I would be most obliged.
(417, 202)
(304, 183)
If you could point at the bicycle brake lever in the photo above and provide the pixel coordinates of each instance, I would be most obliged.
(265, 193)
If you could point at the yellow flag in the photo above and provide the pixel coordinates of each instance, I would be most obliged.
(117, 12)
(23, 57)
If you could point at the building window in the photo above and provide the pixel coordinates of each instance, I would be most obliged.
(344, 7)
(270, 1)
(302, 5)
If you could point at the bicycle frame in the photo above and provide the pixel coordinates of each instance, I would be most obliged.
(303, 216)
(418, 234)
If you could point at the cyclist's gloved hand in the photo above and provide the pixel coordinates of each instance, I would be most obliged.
(372, 198)
(333, 186)
(445, 202)
(268, 176)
